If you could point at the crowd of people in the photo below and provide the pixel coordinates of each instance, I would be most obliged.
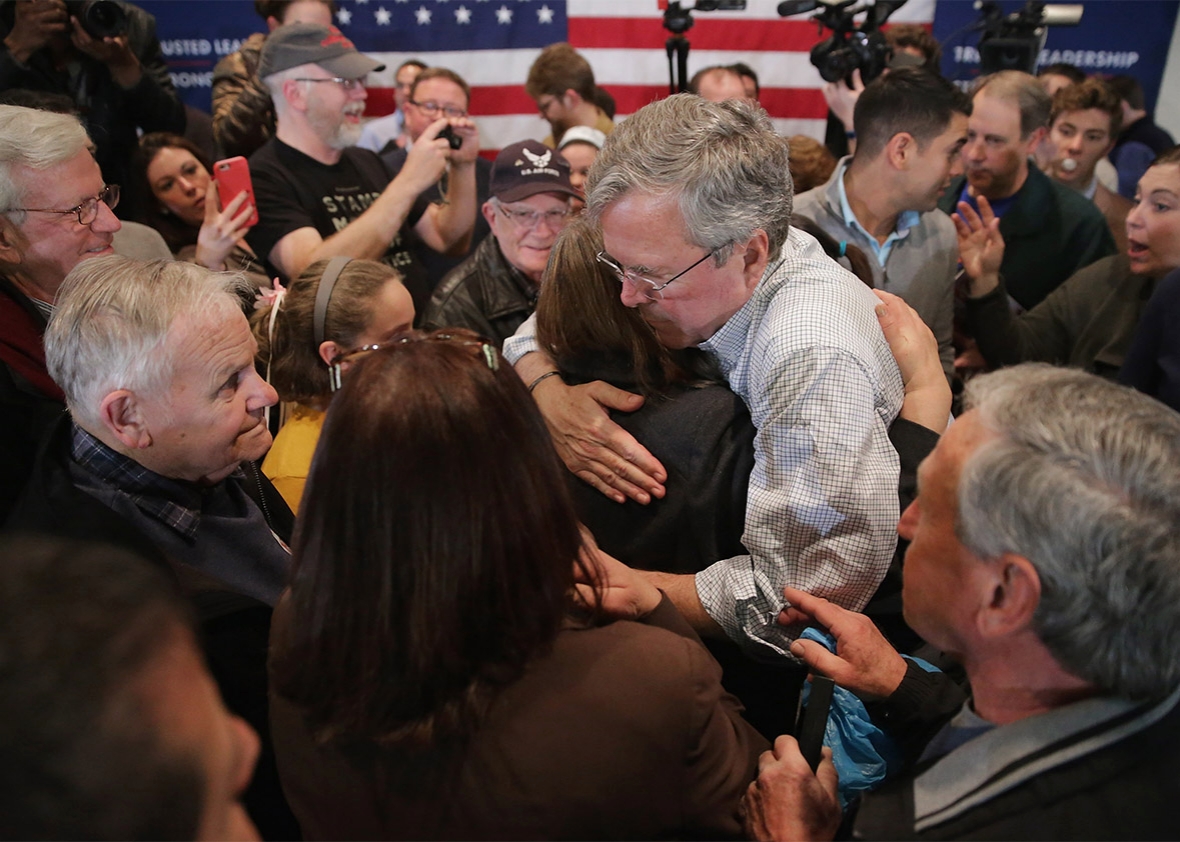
(416, 494)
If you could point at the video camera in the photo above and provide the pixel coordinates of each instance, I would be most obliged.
(1013, 42)
(850, 47)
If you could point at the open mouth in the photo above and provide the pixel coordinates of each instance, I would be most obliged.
(1136, 249)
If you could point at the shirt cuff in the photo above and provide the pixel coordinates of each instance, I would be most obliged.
(524, 341)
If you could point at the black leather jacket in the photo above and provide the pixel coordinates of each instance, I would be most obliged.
(485, 293)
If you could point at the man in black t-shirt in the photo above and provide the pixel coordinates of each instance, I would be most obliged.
(319, 196)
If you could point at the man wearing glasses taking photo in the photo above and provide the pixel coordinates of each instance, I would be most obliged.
(55, 212)
(320, 196)
(495, 289)
(438, 92)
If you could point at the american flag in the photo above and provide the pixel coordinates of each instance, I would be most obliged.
(492, 43)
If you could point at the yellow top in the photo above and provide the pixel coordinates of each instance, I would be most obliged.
(289, 460)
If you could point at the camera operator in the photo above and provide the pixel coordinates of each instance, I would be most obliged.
(105, 56)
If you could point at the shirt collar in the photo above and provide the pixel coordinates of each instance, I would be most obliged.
(174, 503)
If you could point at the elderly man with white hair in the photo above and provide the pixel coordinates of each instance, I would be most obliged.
(157, 456)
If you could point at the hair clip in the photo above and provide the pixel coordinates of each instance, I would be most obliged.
(489, 356)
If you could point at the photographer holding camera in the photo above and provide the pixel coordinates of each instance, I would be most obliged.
(103, 55)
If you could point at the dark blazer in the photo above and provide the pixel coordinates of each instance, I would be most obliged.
(234, 628)
(619, 732)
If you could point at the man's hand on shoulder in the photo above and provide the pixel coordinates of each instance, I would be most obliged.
(596, 449)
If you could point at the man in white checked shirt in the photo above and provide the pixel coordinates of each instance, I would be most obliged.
(694, 199)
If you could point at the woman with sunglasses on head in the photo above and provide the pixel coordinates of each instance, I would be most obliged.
(176, 195)
(333, 307)
(443, 666)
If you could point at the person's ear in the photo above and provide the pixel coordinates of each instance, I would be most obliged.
(1034, 140)
(121, 413)
(900, 150)
(1015, 595)
(489, 214)
(329, 350)
(273, 23)
(296, 94)
(571, 99)
(755, 255)
(12, 243)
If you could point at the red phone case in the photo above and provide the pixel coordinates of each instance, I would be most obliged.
(233, 177)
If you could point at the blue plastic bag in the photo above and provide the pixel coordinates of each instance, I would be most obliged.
(863, 754)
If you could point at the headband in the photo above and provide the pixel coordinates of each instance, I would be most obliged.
(324, 295)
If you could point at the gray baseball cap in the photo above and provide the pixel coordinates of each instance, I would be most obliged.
(308, 43)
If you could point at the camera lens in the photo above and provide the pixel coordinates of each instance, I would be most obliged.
(103, 19)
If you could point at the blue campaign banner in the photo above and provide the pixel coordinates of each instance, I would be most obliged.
(195, 35)
(1114, 36)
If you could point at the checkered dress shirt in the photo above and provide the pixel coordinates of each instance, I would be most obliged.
(807, 356)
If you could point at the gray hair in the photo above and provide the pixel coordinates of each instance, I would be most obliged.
(36, 140)
(1022, 90)
(721, 161)
(275, 81)
(1083, 480)
(113, 316)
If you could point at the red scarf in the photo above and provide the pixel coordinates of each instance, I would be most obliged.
(20, 344)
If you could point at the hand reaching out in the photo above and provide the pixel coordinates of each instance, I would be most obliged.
(623, 593)
(864, 662)
(981, 247)
(927, 393)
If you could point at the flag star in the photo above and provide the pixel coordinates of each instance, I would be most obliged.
(423, 15)
(383, 16)
(361, 2)
(544, 15)
(344, 17)
(503, 15)
(462, 15)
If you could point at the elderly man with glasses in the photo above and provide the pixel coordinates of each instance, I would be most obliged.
(495, 290)
(55, 212)
(694, 201)
(319, 195)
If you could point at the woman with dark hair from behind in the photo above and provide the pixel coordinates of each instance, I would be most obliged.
(432, 675)
(175, 194)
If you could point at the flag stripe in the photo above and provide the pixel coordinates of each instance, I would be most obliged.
(624, 41)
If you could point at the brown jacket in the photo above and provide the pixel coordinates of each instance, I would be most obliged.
(619, 732)
(243, 114)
